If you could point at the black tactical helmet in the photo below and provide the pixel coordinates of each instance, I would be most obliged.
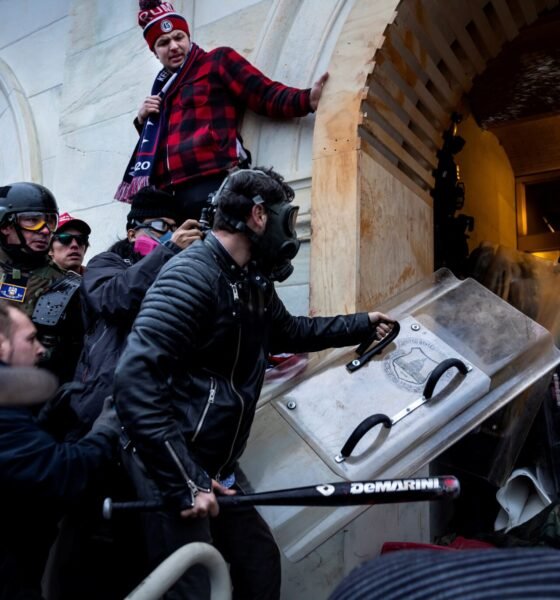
(25, 197)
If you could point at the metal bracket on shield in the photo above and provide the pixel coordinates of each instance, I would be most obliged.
(388, 422)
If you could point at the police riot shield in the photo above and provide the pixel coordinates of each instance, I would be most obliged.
(461, 354)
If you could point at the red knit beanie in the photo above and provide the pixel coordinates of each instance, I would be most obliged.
(156, 18)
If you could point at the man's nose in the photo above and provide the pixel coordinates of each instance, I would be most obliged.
(74, 243)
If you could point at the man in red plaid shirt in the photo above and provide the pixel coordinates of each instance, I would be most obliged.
(200, 112)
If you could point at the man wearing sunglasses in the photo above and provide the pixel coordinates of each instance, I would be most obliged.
(70, 243)
(28, 220)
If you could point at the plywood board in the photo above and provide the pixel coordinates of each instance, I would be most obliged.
(396, 235)
(338, 116)
(335, 222)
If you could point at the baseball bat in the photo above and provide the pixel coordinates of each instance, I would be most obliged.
(345, 493)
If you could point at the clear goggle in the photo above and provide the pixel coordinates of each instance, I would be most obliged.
(157, 225)
(36, 221)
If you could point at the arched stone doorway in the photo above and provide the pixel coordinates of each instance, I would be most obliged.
(401, 70)
(19, 135)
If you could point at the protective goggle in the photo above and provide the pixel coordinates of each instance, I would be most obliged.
(158, 225)
(66, 239)
(36, 221)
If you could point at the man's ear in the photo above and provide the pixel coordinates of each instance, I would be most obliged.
(131, 235)
(257, 218)
(6, 229)
(5, 348)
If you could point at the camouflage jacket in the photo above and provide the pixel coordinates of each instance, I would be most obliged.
(23, 285)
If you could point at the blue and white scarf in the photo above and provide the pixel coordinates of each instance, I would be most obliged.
(141, 164)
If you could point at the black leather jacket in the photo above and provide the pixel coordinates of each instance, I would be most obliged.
(188, 381)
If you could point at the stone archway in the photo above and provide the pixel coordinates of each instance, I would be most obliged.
(400, 70)
(19, 135)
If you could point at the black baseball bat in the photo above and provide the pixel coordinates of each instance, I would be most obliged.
(345, 493)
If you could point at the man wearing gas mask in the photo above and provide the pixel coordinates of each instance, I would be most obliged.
(28, 219)
(190, 375)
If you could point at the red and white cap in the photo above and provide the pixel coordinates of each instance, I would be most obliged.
(65, 220)
(156, 18)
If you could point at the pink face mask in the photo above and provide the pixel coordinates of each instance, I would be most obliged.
(144, 245)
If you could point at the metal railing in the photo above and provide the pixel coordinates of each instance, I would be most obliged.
(171, 569)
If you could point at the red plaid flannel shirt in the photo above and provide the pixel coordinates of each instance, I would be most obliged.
(204, 111)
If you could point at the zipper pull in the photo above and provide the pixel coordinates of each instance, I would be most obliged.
(212, 395)
(192, 487)
(235, 297)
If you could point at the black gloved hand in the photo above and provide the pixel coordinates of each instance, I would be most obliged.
(58, 417)
(107, 421)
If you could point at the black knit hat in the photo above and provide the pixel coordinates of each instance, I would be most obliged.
(151, 203)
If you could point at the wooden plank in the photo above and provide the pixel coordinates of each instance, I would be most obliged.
(377, 91)
(397, 173)
(389, 85)
(334, 272)
(351, 62)
(484, 28)
(529, 11)
(396, 240)
(506, 19)
(408, 81)
(408, 43)
(386, 112)
(397, 150)
(413, 78)
(413, 15)
(451, 19)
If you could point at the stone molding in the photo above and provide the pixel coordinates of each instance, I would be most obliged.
(28, 150)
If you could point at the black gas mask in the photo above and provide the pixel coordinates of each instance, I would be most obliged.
(278, 245)
(274, 249)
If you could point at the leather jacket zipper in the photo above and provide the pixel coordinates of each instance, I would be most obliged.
(190, 483)
(209, 401)
(241, 401)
